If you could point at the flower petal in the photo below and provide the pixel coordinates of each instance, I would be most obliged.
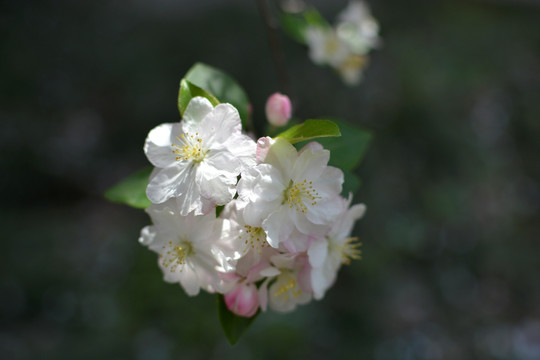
(197, 109)
(158, 145)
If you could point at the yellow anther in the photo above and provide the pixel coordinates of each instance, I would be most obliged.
(255, 238)
(176, 255)
(190, 150)
(350, 251)
(297, 193)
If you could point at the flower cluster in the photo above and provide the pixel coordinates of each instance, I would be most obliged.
(345, 46)
(284, 229)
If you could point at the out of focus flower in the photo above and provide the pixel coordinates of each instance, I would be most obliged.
(199, 158)
(345, 47)
(325, 47)
(278, 109)
(358, 28)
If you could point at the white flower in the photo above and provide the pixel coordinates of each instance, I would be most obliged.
(351, 69)
(325, 47)
(290, 287)
(291, 191)
(327, 255)
(190, 247)
(199, 158)
(357, 28)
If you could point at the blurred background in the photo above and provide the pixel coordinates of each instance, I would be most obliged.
(451, 266)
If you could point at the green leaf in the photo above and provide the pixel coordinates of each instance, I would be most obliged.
(188, 91)
(295, 25)
(132, 190)
(233, 325)
(221, 86)
(348, 151)
(314, 18)
(310, 129)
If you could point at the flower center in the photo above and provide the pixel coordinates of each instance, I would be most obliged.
(353, 62)
(191, 149)
(332, 45)
(175, 254)
(299, 194)
(255, 238)
(288, 288)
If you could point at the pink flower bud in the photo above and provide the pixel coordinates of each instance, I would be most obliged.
(278, 109)
(243, 300)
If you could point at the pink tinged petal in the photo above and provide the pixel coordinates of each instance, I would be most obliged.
(197, 109)
(282, 155)
(317, 252)
(310, 165)
(243, 300)
(263, 146)
(229, 277)
(158, 145)
(168, 182)
(278, 109)
(278, 227)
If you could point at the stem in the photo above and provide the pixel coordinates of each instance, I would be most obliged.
(277, 52)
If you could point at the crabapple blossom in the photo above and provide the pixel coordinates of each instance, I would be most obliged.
(190, 247)
(199, 158)
(292, 193)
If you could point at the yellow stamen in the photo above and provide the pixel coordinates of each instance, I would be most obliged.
(350, 251)
(297, 193)
(176, 255)
(255, 238)
(191, 149)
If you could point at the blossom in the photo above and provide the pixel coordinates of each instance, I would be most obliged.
(200, 158)
(190, 247)
(358, 28)
(292, 193)
(351, 69)
(325, 47)
(278, 109)
(327, 255)
(291, 287)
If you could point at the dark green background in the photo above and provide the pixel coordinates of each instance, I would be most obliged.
(451, 237)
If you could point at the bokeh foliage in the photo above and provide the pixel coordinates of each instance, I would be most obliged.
(451, 180)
